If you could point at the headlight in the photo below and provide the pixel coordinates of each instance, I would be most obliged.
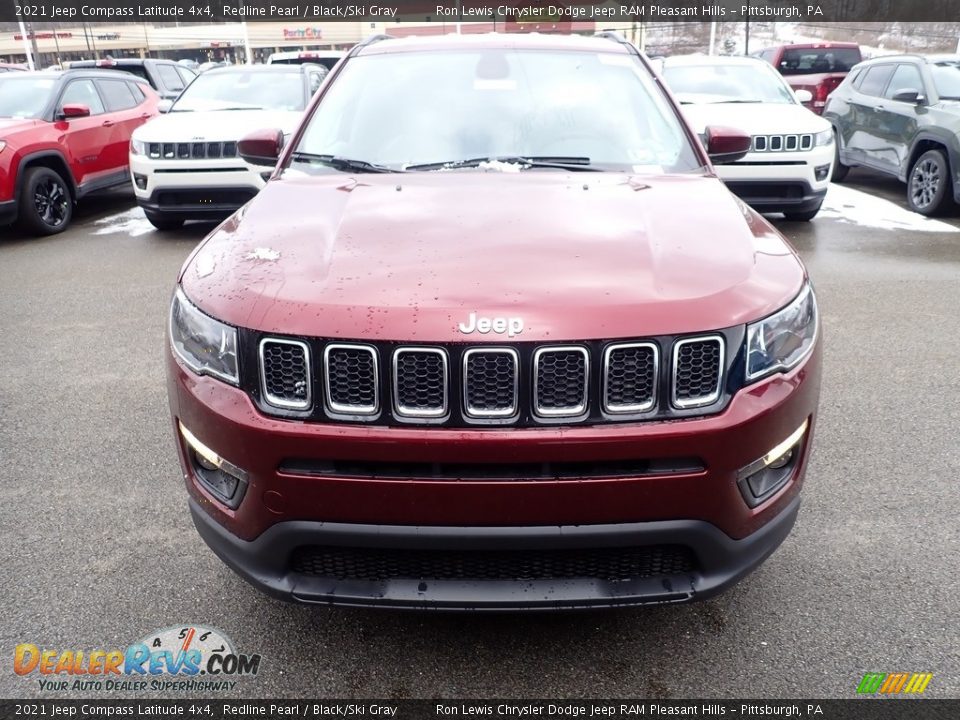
(823, 138)
(206, 346)
(782, 340)
(2, 145)
(138, 147)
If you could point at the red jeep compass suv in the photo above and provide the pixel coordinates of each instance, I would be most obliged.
(493, 336)
(64, 135)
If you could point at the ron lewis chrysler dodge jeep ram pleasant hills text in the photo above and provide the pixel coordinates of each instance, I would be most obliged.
(494, 336)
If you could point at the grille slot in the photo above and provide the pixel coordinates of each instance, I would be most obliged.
(610, 564)
(697, 371)
(352, 378)
(285, 373)
(420, 383)
(630, 373)
(560, 383)
(490, 382)
(782, 143)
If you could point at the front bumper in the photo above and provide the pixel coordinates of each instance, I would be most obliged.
(781, 181)
(283, 511)
(209, 189)
(8, 212)
(721, 561)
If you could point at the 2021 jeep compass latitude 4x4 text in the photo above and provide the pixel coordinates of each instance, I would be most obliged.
(493, 336)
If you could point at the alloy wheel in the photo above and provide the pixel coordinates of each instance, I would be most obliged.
(50, 201)
(925, 183)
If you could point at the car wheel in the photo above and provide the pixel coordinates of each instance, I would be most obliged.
(839, 169)
(805, 216)
(161, 222)
(46, 206)
(928, 183)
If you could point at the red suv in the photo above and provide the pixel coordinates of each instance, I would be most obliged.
(64, 135)
(518, 347)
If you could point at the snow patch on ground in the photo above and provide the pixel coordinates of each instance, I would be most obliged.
(132, 222)
(854, 207)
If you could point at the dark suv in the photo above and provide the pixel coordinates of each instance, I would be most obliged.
(494, 335)
(166, 77)
(64, 135)
(901, 115)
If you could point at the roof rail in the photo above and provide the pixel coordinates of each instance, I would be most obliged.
(611, 35)
(370, 40)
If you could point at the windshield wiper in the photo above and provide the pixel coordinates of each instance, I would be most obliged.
(729, 102)
(579, 164)
(341, 163)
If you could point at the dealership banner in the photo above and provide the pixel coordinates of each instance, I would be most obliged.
(860, 709)
(522, 11)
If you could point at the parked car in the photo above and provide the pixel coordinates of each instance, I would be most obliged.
(64, 135)
(816, 67)
(8, 67)
(167, 77)
(788, 167)
(493, 336)
(900, 115)
(327, 58)
(185, 165)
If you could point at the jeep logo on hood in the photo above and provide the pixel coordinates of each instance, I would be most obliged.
(500, 325)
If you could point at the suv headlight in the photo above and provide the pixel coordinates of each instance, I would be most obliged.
(823, 138)
(205, 345)
(785, 338)
(138, 147)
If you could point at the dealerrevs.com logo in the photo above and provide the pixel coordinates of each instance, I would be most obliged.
(185, 658)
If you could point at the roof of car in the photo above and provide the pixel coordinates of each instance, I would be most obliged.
(80, 72)
(509, 41)
(815, 45)
(223, 69)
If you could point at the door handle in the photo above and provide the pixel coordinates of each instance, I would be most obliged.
(878, 108)
(107, 123)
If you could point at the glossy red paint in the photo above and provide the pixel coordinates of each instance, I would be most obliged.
(579, 257)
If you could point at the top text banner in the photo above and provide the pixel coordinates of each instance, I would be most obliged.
(528, 11)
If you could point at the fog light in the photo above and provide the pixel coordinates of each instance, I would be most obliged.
(765, 476)
(223, 479)
(820, 172)
(140, 181)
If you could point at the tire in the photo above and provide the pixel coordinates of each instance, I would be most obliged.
(804, 216)
(162, 222)
(46, 206)
(928, 183)
(840, 170)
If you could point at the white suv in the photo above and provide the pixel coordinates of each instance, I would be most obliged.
(185, 165)
(788, 167)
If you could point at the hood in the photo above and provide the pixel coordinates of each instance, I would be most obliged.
(215, 125)
(756, 118)
(574, 256)
(9, 126)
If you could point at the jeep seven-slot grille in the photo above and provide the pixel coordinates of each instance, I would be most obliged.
(610, 564)
(782, 143)
(192, 150)
(523, 385)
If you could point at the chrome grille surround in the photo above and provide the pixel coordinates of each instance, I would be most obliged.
(330, 378)
(703, 399)
(469, 384)
(271, 397)
(417, 411)
(608, 367)
(538, 383)
(782, 143)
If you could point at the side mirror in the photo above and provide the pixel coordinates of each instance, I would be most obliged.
(727, 145)
(804, 96)
(908, 95)
(164, 106)
(261, 147)
(74, 110)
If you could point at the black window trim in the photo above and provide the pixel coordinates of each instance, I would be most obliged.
(883, 90)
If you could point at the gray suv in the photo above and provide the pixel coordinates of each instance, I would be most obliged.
(900, 114)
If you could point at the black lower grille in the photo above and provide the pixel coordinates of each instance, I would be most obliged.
(212, 197)
(609, 564)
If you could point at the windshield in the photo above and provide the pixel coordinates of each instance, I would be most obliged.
(24, 96)
(716, 83)
(796, 61)
(946, 79)
(243, 90)
(426, 108)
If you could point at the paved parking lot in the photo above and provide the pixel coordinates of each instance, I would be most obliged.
(99, 549)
